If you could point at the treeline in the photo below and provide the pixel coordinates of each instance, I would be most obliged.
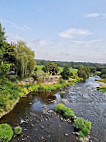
(75, 65)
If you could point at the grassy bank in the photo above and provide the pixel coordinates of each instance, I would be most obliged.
(102, 89)
(102, 83)
(10, 92)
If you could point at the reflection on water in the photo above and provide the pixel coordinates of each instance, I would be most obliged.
(37, 126)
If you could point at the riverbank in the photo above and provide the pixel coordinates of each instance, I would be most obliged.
(17, 91)
(102, 83)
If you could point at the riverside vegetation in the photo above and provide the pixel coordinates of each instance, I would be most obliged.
(17, 63)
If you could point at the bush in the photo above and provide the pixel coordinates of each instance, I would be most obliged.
(84, 132)
(83, 126)
(17, 130)
(25, 90)
(79, 123)
(6, 133)
(12, 78)
(60, 108)
(69, 113)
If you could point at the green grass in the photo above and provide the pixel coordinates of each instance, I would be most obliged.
(39, 69)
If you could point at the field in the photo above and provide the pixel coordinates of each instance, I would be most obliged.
(39, 69)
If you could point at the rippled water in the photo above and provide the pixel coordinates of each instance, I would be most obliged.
(85, 100)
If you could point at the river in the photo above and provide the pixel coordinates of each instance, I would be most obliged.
(40, 126)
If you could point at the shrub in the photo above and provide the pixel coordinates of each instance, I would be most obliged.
(2, 101)
(60, 108)
(83, 126)
(69, 113)
(13, 78)
(79, 123)
(6, 133)
(25, 90)
(84, 132)
(17, 130)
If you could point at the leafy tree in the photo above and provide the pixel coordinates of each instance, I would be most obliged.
(2, 42)
(66, 72)
(83, 72)
(103, 73)
(24, 60)
(50, 68)
(93, 69)
(4, 68)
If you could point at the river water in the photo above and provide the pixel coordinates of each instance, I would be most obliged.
(31, 113)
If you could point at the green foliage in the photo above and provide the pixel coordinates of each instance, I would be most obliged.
(4, 68)
(25, 91)
(79, 123)
(12, 78)
(84, 132)
(25, 63)
(2, 102)
(66, 72)
(83, 126)
(18, 130)
(34, 75)
(66, 112)
(84, 72)
(102, 89)
(50, 68)
(60, 108)
(103, 73)
(6, 133)
(101, 80)
(69, 113)
(2, 42)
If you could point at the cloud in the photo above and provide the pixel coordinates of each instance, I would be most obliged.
(15, 25)
(14, 38)
(39, 42)
(95, 15)
(74, 33)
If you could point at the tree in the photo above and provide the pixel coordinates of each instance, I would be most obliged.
(66, 72)
(2, 42)
(50, 68)
(83, 72)
(24, 60)
(4, 68)
(103, 73)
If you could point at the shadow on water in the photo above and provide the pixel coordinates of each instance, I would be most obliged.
(38, 126)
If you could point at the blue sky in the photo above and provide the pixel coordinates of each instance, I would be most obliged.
(70, 30)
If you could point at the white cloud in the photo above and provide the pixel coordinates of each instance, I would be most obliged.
(14, 38)
(39, 42)
(74, 33)
(15, 25)
(95, 15)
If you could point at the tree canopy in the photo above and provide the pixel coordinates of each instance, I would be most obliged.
(50, 68)
(66, 72)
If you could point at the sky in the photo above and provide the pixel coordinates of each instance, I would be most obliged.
(64, 30)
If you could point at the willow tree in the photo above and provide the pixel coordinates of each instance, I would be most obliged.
(25, 63)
